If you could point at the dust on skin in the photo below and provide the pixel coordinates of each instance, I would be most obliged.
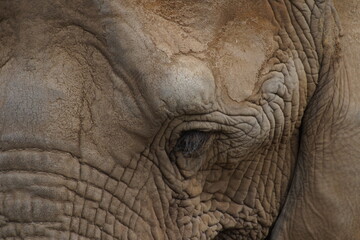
(233, 45)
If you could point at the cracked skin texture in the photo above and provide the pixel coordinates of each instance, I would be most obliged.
(139, 119)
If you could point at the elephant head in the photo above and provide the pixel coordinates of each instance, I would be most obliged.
(175, 119)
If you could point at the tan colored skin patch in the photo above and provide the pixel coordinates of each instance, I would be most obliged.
(233, 44)
(240, 54)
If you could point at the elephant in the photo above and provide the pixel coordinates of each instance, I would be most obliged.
(175, 119)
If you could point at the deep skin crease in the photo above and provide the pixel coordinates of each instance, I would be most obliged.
(124, 119)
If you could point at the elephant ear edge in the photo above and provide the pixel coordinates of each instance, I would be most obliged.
(323, 199)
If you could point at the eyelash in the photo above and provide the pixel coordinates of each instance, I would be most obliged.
(192, 142)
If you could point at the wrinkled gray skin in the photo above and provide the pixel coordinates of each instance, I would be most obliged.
(163, 119)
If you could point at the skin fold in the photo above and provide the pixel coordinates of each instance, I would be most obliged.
(175, 119)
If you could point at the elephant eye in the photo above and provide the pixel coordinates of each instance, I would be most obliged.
(191, 143)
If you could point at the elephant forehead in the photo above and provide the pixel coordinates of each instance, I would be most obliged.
(181, 58)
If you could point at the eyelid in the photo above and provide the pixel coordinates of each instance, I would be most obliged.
(193, 123)
(191, 142)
